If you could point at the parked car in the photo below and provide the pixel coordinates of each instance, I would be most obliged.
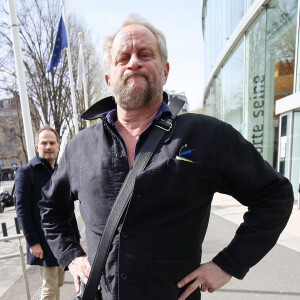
(6, 200)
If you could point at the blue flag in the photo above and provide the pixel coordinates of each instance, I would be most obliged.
(61, 42)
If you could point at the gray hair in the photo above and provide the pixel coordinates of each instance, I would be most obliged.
(135, 20)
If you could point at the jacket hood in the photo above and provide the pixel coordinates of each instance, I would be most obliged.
(105, 105)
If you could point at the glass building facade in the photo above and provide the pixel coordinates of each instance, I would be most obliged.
(252, 69)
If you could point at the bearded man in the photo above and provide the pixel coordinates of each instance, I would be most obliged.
(156, 250)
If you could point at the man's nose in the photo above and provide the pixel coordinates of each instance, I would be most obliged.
(134, 62)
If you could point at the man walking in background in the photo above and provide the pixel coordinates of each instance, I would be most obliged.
(29, 182)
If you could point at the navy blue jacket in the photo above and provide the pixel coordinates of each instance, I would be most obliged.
(28, 195)
(160, 240)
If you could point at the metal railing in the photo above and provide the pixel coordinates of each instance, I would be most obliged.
(21, 254)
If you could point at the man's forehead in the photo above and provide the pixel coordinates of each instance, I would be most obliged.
(132, 33)
(47, 135)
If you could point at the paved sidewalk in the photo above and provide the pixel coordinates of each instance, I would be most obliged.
(228, 208)
(12, 285)
(276, 276)
(223, 205)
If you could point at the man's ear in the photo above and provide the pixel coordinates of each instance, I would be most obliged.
(166, 72)
(107, 79)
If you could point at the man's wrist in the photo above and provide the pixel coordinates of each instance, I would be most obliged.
(73, 261)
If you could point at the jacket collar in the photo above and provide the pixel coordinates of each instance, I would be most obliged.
(102, 107)
(38, 161)
(35, 161)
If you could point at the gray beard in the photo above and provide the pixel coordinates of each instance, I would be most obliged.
(128, 99)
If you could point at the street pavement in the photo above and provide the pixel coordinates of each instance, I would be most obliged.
(276, 276)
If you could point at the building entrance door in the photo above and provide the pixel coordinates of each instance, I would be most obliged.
(295, 157)
(285, 132)
(289, 150)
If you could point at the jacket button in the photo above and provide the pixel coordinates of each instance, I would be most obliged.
(124, 235)
(124, 276)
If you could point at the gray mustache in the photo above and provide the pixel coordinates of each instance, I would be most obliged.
(140, 73)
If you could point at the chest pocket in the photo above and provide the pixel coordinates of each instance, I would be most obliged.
(186, 182)
(96, 191)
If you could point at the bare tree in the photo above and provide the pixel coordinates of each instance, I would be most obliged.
(49, 94)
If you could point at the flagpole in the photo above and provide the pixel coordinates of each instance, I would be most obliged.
(86, 102)
(21, 80)
(75, 115)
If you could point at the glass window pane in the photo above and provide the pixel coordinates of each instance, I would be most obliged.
(295, 159)
(233, 11)
(207, 38)
(216, 30)
(249, 3)
(233, 83)
(212, 34)
(280, 59)
(297, 87)
(207, 105)
(216, 97)
(255, 83)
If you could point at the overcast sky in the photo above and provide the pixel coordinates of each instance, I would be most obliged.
(180, 21)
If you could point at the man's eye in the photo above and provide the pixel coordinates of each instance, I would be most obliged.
(145, 55)
(123, 59)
